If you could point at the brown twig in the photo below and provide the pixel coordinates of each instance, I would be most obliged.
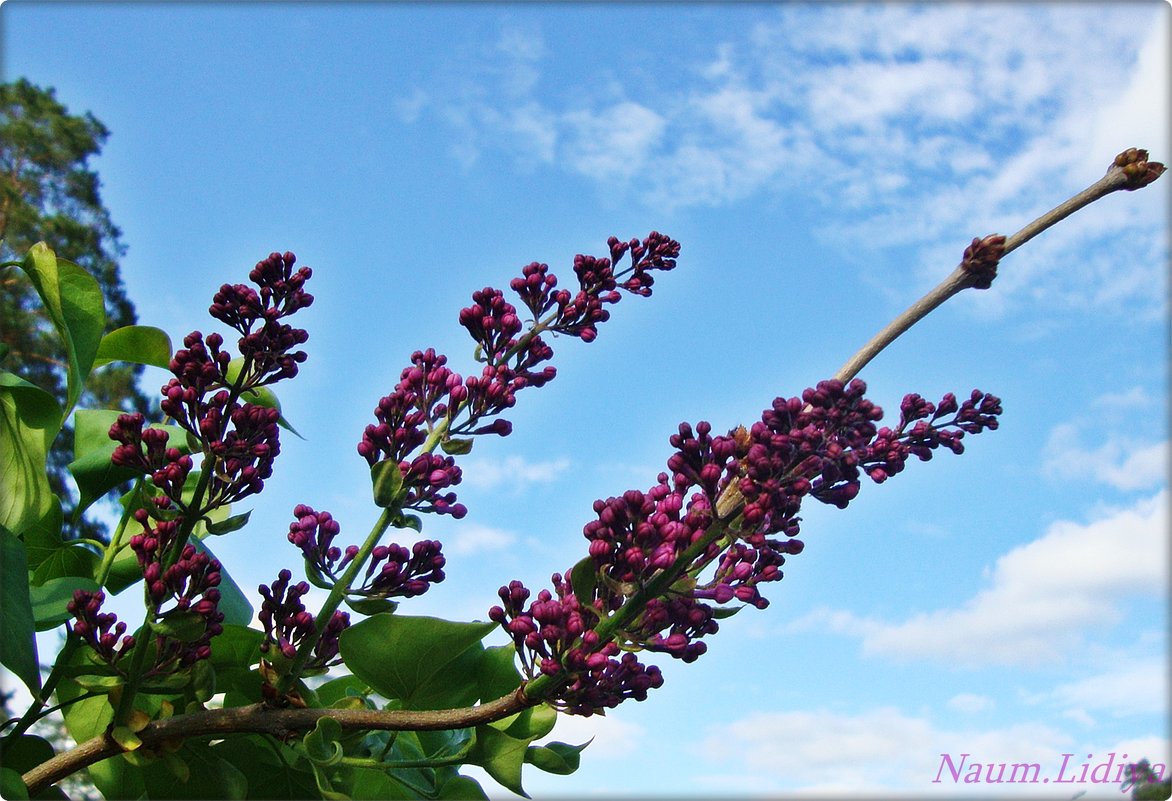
(1130, 170)
(280, 723)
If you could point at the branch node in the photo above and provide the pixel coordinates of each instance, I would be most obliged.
(981, 258)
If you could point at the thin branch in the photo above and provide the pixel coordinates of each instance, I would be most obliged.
(279, 723)
(1130, 170)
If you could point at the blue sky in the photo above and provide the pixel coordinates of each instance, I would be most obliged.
(822, 166)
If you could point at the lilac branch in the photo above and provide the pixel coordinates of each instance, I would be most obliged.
(279, 723)
(1130, 170)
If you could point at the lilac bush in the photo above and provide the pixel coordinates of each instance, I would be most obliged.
(418, 697)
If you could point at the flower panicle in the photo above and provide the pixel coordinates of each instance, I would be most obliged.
(189, 587)
(394, 571)
(240, 440)
(513, 356)
(819, 445)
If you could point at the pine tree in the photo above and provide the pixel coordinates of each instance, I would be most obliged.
(48, 193)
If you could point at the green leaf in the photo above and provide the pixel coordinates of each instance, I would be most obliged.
(50, 598)
(337, 690)
(446, 744)
(18, 645)
(584, 580)
(240, 685)
(21, 754)
(203, 680)
(413, 522)
(86, 718)
(177, 767)
(558, 758)
(236, 646)
(12, 785)
(186, 626)
(71, 559)
(43, 537)
(498, 672)
(137, 344)
(233, 523)
(267, 764)
(25, 752)
(115, 777)
(426, 662)
(29, 421)
(456, 447)
(387, 479)
(531, 723)
(325, 786)
(209, 776)
(118, 777)
(461, 787)
(322, 745)
(101, 684)
(722, 612)
(400, 784)
(124, 572)
(126, 738)
(259, 396)
(73, 301)
(372, 606)
(501, 756)
(501, 747)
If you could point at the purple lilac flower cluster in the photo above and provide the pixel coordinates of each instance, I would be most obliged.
(431, 397)
(730, 505)
(556, 637)
(287, 624)
(240, 440)
(191, 582)
(239, 443)
(186, 589)
(393, 571)
(101, 630)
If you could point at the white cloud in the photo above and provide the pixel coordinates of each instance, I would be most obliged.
(409, 107)
(828, 753)
(884, 113)
(467, 538)
(523, 44)
(519, 49)
(513, 473)
(868, 95)
(612, 144)
(970, 703)
(1139, 114)
(1134, 397)
(1042, 596)
(533, 125)
(1125, 459)
(1135, 687)
(1122, 463)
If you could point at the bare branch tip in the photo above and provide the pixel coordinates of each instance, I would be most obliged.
(1136, 168)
